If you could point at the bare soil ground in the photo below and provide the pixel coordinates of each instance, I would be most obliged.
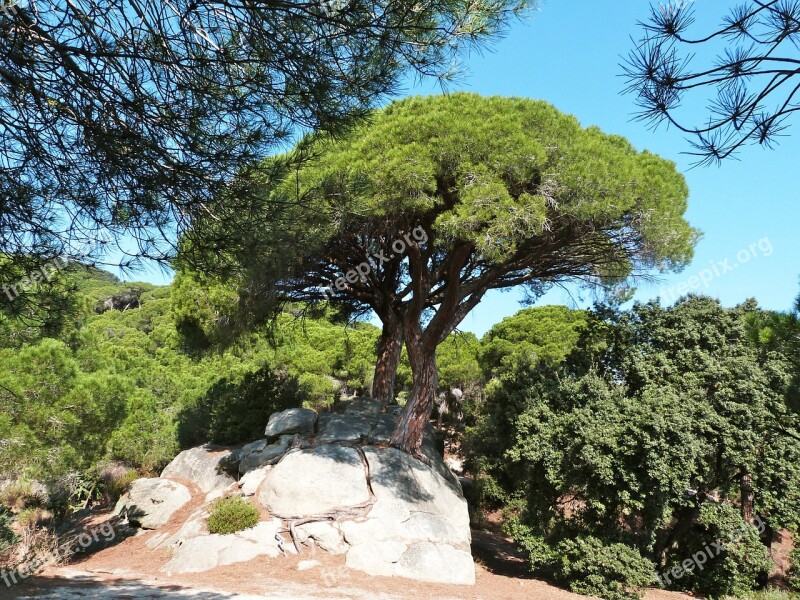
(128, 570)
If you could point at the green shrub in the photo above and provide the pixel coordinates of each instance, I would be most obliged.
(737, 569)
(7, 536)
(233, 514)
(793, 578)
(541, 555)
(652, 404)
(238, 411)
(610, 571)
(770, 594)
(147, 438)
(319, 390)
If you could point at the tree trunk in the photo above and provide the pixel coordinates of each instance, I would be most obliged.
(746, 497)
(416, 414)
(390, 347)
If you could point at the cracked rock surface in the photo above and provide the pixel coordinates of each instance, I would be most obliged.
(329, 482)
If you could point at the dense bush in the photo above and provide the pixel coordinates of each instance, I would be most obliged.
(794, 569)
(657, 416)
(229, 515)
(542, 333)
(594, 568)
(232, 412)
(741, 564)
(122, 386)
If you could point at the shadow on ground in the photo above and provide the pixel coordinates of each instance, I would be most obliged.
(499, 555)
(79, 588)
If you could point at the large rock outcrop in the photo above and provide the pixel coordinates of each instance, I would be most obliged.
(316, 481)
(204, 466)
(331, 481)
(150, 503)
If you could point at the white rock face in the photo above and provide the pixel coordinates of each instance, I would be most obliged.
(202, 467)
(195, 526)
(324, 534)
(389, 513)
(213, 550)
(250, 481)
(439, 563)
(406, 484)
(314, 482)
(376, 558)
(417, 509)
(150, 502)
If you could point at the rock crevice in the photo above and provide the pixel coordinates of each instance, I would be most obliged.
(330, 482)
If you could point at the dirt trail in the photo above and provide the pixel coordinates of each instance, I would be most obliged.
(129, 571)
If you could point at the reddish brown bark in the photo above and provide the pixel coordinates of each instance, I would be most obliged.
(390, 347)
(408, 434)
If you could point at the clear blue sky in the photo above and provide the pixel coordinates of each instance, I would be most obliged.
(568, 53)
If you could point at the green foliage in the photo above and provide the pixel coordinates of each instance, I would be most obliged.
(490, 150)
(794, 569)
(743, 562)
(770, 594)
(546, 333)
(594, 568)
(526, 344)
(229, 515)
(203, 310)
(7, 536)
(236, 411)
(56, 417)
(655, 413)
(457, 364)
(122, 386)
(457, 361)
(148, 436)
(483, 179)
(779, 333)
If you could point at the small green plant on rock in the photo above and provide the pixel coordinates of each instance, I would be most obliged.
(232, 514)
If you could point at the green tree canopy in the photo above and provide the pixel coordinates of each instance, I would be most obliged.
(542, 333)
(435, 201)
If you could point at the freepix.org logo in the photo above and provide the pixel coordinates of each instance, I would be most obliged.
(9, 8)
